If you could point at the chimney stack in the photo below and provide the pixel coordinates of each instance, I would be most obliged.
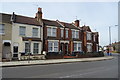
(77, 23)
(39, 14)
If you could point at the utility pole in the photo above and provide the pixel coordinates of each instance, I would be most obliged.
(109, 35)
(109, 39)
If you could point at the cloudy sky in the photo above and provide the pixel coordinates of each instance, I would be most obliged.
(98, 15)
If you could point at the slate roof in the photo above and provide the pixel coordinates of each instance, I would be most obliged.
(5, 18)
(69, 25)
(51, 23)
(19, 19)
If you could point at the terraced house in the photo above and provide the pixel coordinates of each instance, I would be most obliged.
(43, 37)
(21, 35)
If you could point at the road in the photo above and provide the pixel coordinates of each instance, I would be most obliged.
(96, 69)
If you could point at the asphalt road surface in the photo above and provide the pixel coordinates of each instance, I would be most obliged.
(96, 69)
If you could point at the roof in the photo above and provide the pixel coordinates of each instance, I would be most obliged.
(87, 28)
(51, 23)
(19, 19)
(69, 25)
(5, 18)
(26, 20)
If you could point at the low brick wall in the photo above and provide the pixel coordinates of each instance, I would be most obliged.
(32, 57)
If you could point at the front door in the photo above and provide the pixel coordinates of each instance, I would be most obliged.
(66, 48)
(15, 51)
(62, 47)
(6, 51)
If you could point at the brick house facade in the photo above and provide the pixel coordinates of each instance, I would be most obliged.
(57, 37)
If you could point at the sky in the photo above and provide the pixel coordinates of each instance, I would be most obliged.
(98, 15)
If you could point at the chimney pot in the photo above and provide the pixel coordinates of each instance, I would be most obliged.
(39, 9)
(77, 23)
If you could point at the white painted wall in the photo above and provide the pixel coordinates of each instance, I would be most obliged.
(16, 38)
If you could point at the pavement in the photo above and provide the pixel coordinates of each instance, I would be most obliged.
(52, 61)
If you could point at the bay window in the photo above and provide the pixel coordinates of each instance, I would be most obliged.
(77, 47)
(52, 46)
(89, 47)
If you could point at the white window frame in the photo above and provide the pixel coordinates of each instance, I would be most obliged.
(62, 32)
(52, 34)
(22, 31)
(35, 48)
(2, 30)
(75, 35)
(66, 32)
(89, 36)
(89, 48)
(28, 47)
(53, 46)
(78, 46)
(34, 33)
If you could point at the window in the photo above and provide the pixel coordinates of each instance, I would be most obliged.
(88, 36)
(97, 47)
(61, 32)
(75, 34)
(77, 47)
(2, 26)
(36, 48)
(49, 46)
(51, 31)
(22, 31)
(89, 48)
(27, 48)
(94, 38)
(55, 46)
(66, 33)
(35, 32)
(54, 32)
(52, 46)
(48, 31)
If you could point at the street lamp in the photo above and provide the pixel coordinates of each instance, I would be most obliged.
(110, 37)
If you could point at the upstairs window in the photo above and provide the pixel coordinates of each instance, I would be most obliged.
(75, 34)
(2, 28)
(89, 36)
(35, 32)
(66, 33)
(22, 30)
(62, 32)
(51, 31)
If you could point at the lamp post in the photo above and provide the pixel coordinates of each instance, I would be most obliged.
(110, 38)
